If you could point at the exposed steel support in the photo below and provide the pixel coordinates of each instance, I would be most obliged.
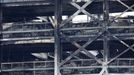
(103, 33)
(105, 36)
(57, 51)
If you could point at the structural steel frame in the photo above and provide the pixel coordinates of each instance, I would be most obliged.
(104, 32)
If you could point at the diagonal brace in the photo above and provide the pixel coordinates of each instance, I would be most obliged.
(129, 47)
(80, 9)
(80, 48)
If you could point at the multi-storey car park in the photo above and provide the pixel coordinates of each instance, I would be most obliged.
(67, 37)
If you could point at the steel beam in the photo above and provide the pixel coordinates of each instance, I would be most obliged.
(105, 28)
(123, 36)
(105, 37)
(57, 22)
(67, 29)
(27, 31)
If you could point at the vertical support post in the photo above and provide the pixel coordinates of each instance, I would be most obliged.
(105, 36)
(57, 52)
(34, 72)
(0, 37)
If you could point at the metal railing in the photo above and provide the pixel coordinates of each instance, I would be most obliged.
(32, 65)
(117, 66)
